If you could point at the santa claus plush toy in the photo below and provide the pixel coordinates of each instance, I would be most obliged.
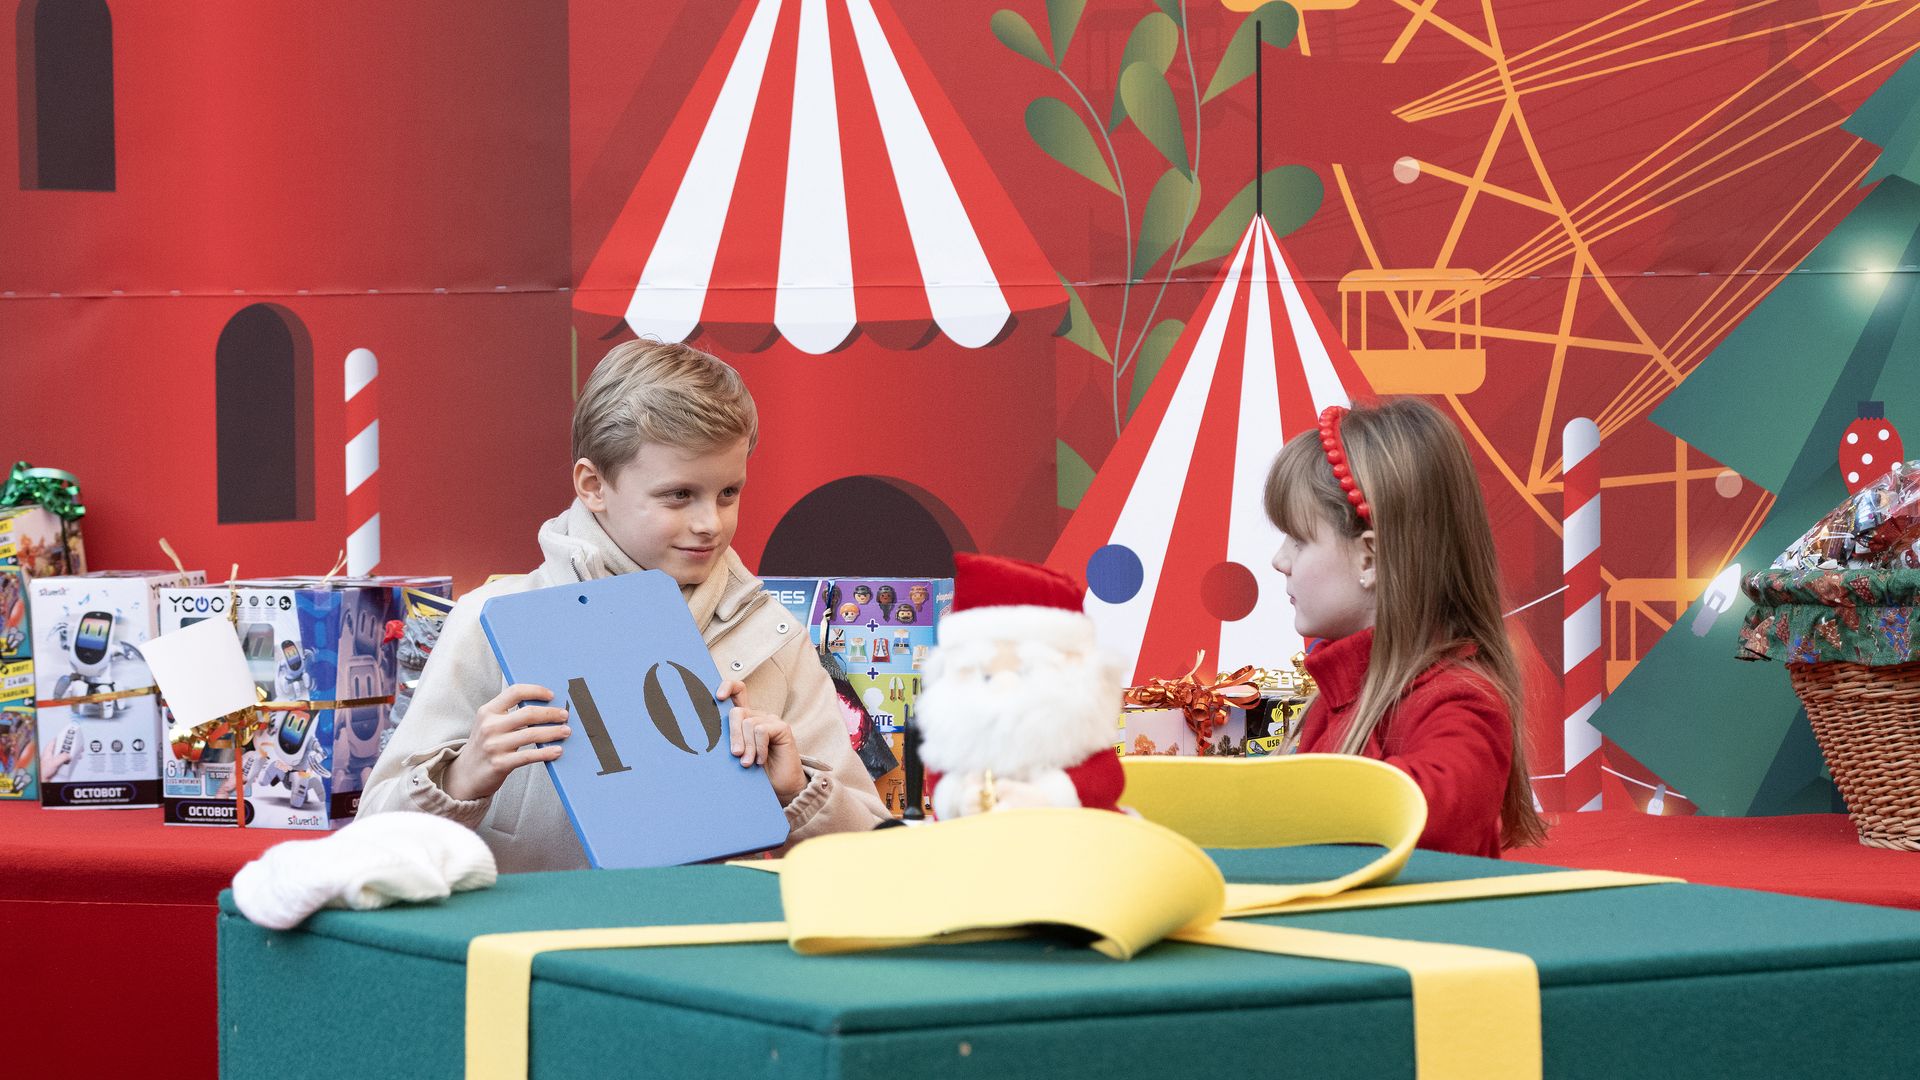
(1020, 708)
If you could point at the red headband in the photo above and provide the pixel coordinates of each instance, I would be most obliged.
(1330, 418)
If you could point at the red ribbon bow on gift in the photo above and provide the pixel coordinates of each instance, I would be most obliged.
(1205, 703)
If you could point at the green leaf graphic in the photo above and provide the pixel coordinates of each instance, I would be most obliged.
(1017, 34)
(1169, 208)
(1073, 476)
(1060, 132)
(1062, 17)
(1153, 41)
(1292, 196)
(1078, 326)
(1150, 103)
(1153, 353)
(1278, 22)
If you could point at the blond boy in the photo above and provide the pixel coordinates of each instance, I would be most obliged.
(661, 437)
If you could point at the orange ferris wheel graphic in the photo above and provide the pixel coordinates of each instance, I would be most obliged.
(1554, 313)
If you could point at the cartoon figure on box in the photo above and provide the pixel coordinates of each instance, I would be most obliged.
(286, 753)
(294, 680)
(905, 613)
(17, 747)
(358, 734)
(917, 594)
(862, 595)
(885, 596)
(91, 650)
(849, 612)
(13, 614)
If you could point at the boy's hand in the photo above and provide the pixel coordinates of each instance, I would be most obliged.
(766, 740)
(504, 738)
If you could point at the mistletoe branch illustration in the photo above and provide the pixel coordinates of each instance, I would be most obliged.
(1083, 141)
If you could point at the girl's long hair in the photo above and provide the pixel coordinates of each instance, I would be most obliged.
(1438, 581)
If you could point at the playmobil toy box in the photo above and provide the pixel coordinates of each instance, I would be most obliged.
(879, 626)
(99, 714)
(890, 699)
(323, 653)
(879, 631)
(19, 747)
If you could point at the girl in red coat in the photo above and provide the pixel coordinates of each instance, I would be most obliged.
(1389, 558)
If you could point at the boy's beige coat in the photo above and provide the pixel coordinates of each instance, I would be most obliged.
(752, 638)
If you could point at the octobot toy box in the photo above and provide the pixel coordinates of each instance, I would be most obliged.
(323, 652)
(99, 716)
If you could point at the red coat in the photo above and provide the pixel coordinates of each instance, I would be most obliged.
(1451, 733)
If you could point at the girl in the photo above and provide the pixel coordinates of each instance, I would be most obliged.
(1389, 557)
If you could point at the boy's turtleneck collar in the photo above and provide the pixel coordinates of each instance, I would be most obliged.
(1339, 668)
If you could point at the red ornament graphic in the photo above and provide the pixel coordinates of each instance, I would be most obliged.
(1869, 447)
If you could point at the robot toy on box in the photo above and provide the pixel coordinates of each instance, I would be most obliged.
(285, 754)
(92, 649)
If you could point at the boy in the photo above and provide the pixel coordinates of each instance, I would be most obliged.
(661, 436)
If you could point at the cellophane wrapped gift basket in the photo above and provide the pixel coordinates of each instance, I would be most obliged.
(1838, 608)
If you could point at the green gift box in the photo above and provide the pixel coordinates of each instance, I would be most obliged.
(1648, 980)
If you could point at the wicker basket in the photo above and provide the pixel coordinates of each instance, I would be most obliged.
(1867, 720)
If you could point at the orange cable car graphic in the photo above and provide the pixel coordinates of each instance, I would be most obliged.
(1408, 364)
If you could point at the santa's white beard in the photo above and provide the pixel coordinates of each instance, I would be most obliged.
(1053, 713)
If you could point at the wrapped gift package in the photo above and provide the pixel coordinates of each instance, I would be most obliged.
(308, 641)
(1166, 731)
(1651, 980)
(99, 715)
(1877, 527)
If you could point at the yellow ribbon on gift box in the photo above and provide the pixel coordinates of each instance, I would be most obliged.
(1126, 882)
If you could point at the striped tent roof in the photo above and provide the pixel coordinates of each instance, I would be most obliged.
(817, 180)
(1172, 537)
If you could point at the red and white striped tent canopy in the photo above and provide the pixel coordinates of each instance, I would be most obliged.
(817, 180)
(1172, 537)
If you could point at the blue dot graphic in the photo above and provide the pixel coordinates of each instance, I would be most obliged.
(1114, 574)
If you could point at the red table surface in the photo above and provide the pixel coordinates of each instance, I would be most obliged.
(1807, 855)
(112, 912)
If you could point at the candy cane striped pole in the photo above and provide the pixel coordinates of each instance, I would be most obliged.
(363, 462)
(1582, 663)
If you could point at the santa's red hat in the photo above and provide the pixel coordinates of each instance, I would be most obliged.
(996, 598)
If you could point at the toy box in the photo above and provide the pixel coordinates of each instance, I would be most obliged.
(40, 542)
(19, 747)
(1166, 732)
(423, 615)
(15, 641)
(879, 626)
(890, 699)
(880, 631)
(33, 543)
(309, 640)
(99, 717)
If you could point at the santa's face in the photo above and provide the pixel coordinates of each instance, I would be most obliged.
(1017, 708)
